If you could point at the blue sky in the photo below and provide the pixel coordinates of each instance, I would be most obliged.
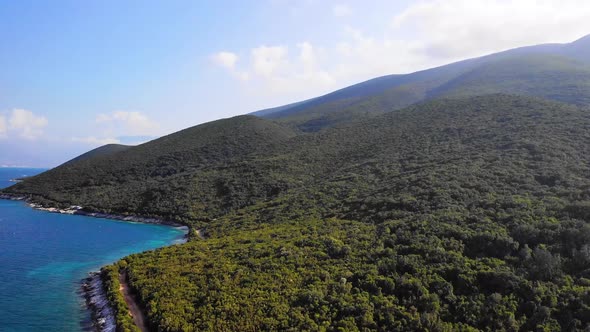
(78, 74)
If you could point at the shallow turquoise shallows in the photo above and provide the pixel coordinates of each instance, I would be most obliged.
(45, 256)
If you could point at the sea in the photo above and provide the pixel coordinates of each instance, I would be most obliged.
(44, 258)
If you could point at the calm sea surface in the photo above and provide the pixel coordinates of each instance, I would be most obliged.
(45, 256)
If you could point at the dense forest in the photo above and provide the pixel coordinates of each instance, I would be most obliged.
(457, 214)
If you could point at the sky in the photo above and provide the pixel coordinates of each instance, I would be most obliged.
(75, 75)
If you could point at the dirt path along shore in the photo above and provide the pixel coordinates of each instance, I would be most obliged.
(134, 309)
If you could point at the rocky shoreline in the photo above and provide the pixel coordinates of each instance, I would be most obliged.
(12, 197)
(78, 210)
(103, 315)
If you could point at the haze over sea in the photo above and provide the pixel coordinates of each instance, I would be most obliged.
(45, 256)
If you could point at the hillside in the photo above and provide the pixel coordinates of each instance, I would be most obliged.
(542, 70)
(158, 178)
(456, 214)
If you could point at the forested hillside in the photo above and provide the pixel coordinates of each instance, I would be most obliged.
(159, 178)
(458, 214)
(555, 71)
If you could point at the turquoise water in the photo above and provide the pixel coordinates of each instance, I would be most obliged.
(45, 256)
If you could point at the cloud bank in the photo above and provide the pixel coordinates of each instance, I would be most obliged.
(93, 140)
(128, 123)
(121, 127)
(459, 28)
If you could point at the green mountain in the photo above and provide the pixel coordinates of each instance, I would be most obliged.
(551, 71)
(422, 202)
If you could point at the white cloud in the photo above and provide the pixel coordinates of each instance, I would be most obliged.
(228, 61)
(26, 123)
(225, 59)
(378, 56)
(127, 123)
(307, 56)
(341, 10)
(425, 34)
(307, 70)
(267, 59)
(92, 140)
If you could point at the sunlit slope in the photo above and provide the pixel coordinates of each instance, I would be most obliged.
(554, 71)
(551, 77)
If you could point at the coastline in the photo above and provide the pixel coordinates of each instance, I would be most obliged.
(78, 210)
(101, 311)
(97, 302)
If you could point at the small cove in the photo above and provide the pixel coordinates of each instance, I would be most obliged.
(45, 256)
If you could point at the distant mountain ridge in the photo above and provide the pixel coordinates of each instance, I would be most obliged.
(525, 66)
